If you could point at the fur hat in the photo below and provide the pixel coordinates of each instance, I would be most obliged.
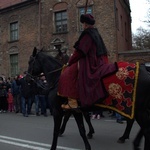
(87, 18)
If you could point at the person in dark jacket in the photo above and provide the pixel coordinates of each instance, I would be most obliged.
(16, 94)
(41, 95)
(26, 86)
(3, 96)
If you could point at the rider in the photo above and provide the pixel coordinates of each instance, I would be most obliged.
(81, 80)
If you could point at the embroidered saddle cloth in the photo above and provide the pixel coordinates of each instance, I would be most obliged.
(122, 89)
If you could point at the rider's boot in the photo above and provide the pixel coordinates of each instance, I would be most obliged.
(72, 104)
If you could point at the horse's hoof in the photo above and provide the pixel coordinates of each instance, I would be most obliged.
(60, 133)
(89, 136)
(121, 140)
(136, 148)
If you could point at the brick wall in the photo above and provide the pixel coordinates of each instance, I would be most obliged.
(36, 28)
(27, 18)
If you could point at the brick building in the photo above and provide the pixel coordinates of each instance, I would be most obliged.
(54, 24)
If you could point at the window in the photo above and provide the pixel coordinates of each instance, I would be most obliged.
(14, 64)
(61, 21)
(14, 31)
(82, 11)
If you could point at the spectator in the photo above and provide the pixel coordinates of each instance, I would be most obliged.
(98, 114)
(119, 118)
(26, 86)
(8, 83)
(3, 96)
(40, 97)
(16, 94)
(36, 98)
(10, 100)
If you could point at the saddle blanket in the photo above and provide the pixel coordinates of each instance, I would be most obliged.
(122, 89)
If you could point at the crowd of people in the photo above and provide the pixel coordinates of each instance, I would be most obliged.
(114, 115)
(18, 95)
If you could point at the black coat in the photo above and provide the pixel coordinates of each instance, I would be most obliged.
(26, 87)
(3, 91)
(42, 87)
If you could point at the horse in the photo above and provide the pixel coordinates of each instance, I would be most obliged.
(40, 62)
(63, 59)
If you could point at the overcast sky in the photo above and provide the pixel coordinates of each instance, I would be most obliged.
(139, 9)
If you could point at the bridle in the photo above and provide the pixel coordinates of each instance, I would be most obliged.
(53, 71)
(33, 78)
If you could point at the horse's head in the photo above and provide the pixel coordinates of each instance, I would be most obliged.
(34, 67)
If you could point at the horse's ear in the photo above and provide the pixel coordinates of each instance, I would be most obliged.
(34, 52)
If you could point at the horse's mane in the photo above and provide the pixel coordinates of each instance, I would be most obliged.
(48, 57)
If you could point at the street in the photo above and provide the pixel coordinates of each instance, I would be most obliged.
(35, 133)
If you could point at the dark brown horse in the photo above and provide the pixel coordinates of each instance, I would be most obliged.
(63, 58)
(39, 62)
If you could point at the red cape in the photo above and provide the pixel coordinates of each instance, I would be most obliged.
(83, 79)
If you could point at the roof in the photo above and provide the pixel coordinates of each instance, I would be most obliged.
(8, 3)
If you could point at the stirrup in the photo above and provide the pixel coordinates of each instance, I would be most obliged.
(77, 109)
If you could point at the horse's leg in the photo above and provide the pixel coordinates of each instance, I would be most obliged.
(57, 116)
(88, 120)
(137, 140)
(127, 131)
(65, 120)
(80, 123)
(147, 139)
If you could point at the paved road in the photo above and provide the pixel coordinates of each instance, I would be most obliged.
(35, 133)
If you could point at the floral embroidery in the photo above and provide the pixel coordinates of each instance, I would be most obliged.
(115, 90)
(122, 73)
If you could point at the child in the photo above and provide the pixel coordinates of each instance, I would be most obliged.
(10, 101)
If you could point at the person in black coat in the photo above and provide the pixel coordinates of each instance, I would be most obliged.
(16, 94)
(26, 87)
(3, 96)
(41, 95)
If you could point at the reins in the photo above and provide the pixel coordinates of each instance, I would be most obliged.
(55, 70)
(33, 79)
(42, 86)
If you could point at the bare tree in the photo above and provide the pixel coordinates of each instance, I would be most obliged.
(141, 40)
(148, 14)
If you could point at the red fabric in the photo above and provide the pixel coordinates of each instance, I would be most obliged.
(10, 97)
(86, 82)
(68, 84)
(120, 87)
(75, 57)
(91, 70)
